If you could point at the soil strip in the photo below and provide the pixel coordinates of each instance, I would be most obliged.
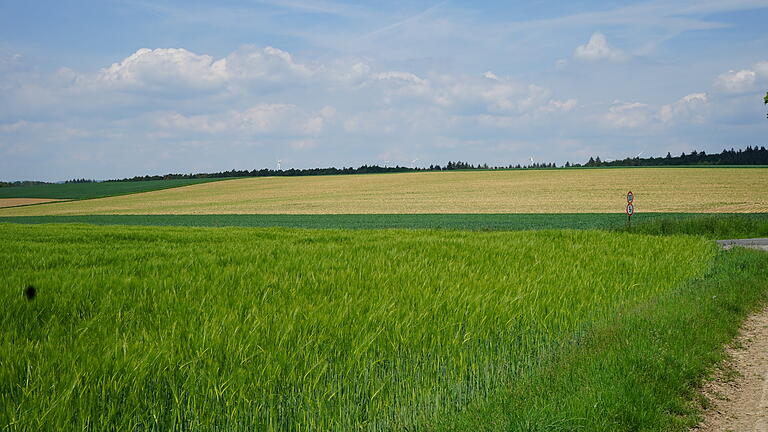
(754, 243)
(738, 394)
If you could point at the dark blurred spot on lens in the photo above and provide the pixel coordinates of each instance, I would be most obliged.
(30, 292)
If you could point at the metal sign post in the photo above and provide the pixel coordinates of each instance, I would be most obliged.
(630, 207)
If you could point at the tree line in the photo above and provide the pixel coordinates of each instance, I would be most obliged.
(365, 169)
(22, 183)
(748, 156)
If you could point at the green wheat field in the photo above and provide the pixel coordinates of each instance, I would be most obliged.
(279, 329)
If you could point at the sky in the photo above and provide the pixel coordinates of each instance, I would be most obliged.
(111, 89)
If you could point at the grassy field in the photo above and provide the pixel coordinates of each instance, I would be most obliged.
(689, 190)
(639, 371)
(719, 226)
(147, 328)
(93, 190)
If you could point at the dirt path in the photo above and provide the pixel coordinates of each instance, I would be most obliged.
(739, 393)
(754, 243)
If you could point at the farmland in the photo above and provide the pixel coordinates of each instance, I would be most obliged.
(577, 320)
(13, 202)
(690, 190)
(277, 329)
(93, 189)
(712, 226)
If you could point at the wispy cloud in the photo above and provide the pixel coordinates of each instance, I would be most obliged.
(314, 6)
(408, 20)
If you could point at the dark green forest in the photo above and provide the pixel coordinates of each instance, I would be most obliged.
(748, 156)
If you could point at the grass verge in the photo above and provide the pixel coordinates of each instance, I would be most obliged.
(728, 226)
(638, 371)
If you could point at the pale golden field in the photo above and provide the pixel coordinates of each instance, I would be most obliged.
(699, 190)
(12, 202)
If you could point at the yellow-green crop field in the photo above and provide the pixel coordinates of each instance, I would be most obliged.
(690, 190)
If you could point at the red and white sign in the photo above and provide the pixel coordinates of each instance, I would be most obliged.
(630, 209)
(630, 197)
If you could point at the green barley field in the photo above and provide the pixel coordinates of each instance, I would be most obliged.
(168, 328)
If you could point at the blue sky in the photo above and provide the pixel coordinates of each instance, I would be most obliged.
(109, 89)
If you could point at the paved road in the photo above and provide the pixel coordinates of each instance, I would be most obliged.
(755, 243)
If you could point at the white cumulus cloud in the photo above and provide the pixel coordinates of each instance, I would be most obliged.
(744, 80)
(558, 105)
(179, 71)
(692, 107)
(761, 69)
(164, 68)
(398, 83)
(628, 115)
(495, 95)
(268, 63)
(257, 97)
(736, 81)
(261, 118)
(598, 49)
(287, 119)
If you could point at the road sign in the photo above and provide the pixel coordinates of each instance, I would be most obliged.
(630, 207)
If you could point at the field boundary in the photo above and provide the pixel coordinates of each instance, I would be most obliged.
(39, 202)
